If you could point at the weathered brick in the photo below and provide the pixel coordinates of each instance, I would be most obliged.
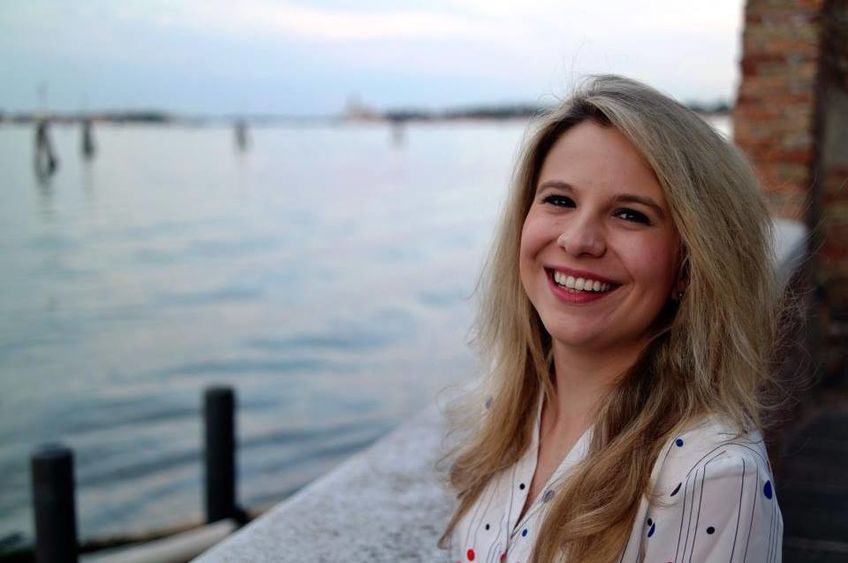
(788, 46)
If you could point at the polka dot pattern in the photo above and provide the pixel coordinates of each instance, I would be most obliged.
(703, 471)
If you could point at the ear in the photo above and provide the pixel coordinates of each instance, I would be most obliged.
(682, 282)
(678, 291)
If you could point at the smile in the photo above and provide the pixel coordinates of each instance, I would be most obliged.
(578, 287)
(580, 284)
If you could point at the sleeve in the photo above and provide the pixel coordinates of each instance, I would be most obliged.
(723, 509)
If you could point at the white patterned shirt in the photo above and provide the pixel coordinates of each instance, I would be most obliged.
(719, 504)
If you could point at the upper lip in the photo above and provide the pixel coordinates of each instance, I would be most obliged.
(581, 274)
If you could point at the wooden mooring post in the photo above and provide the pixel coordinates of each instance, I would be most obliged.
(54, 497)
(54, 504)
(220, 455)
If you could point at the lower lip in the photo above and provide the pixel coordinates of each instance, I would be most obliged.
(568, 296)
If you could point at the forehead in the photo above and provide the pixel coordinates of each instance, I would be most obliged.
(590, 156)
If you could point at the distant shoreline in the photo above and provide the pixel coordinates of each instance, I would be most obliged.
(155, 117)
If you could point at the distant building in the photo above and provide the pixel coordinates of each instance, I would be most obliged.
(355, 110)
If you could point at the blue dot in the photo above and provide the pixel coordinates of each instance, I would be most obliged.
(650, 522)
(676, 489)
(521, 486)
(652, 530)
(679, 442)
(767, 489)
(487, 526)
(489, 403)
(524, 532)
(549, 494)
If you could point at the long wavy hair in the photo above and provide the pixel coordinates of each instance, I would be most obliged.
(708, 355)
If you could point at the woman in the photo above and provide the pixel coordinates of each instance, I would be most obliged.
(628, 309)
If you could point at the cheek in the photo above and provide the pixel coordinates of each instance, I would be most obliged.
(528, 250)
(655, 264)
(532, 235)
(524, 257)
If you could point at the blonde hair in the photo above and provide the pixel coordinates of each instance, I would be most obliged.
(708, 356)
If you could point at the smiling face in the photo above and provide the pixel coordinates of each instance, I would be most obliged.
(599, 253)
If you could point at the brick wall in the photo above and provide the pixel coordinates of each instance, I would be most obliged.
(774, 112)
(791, 119)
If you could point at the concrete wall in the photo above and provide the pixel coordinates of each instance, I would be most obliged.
(384, 504)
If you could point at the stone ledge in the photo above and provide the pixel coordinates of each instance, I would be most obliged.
(384, 504)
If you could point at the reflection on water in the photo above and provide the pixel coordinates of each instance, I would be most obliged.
(324, 272)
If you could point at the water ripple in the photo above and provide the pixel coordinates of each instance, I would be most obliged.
(243, 366)
(222, 295)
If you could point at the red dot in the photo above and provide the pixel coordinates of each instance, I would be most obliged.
(470, 554)
(503, 556)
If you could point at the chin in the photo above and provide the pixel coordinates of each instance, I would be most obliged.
(573, 337)
(585, 338)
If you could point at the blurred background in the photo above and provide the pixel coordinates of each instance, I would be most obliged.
(291, 198)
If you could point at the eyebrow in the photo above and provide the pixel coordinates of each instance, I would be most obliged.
(620, 198)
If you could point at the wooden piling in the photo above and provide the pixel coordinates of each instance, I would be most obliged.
(219, 407)
(54, 504)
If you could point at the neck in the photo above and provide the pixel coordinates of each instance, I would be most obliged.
(582, 379)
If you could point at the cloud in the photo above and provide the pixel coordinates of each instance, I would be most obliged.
(445, 49)
(264, 17)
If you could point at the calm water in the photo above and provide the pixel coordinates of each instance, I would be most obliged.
(325, 274)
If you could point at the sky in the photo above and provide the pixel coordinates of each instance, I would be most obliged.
(311, 57)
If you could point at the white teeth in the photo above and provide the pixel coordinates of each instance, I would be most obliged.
(580, 284)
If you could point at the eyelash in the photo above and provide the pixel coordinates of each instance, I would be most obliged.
(636, 217)
(625, 214)
(558, 201)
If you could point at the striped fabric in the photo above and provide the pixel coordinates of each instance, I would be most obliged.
(713, 500)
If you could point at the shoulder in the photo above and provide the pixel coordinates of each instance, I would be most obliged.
(711, 446)
(712, 497)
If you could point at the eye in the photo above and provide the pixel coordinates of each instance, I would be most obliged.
(559, 200)
(632, 216)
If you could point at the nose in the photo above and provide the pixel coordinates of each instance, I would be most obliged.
(583, 236)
